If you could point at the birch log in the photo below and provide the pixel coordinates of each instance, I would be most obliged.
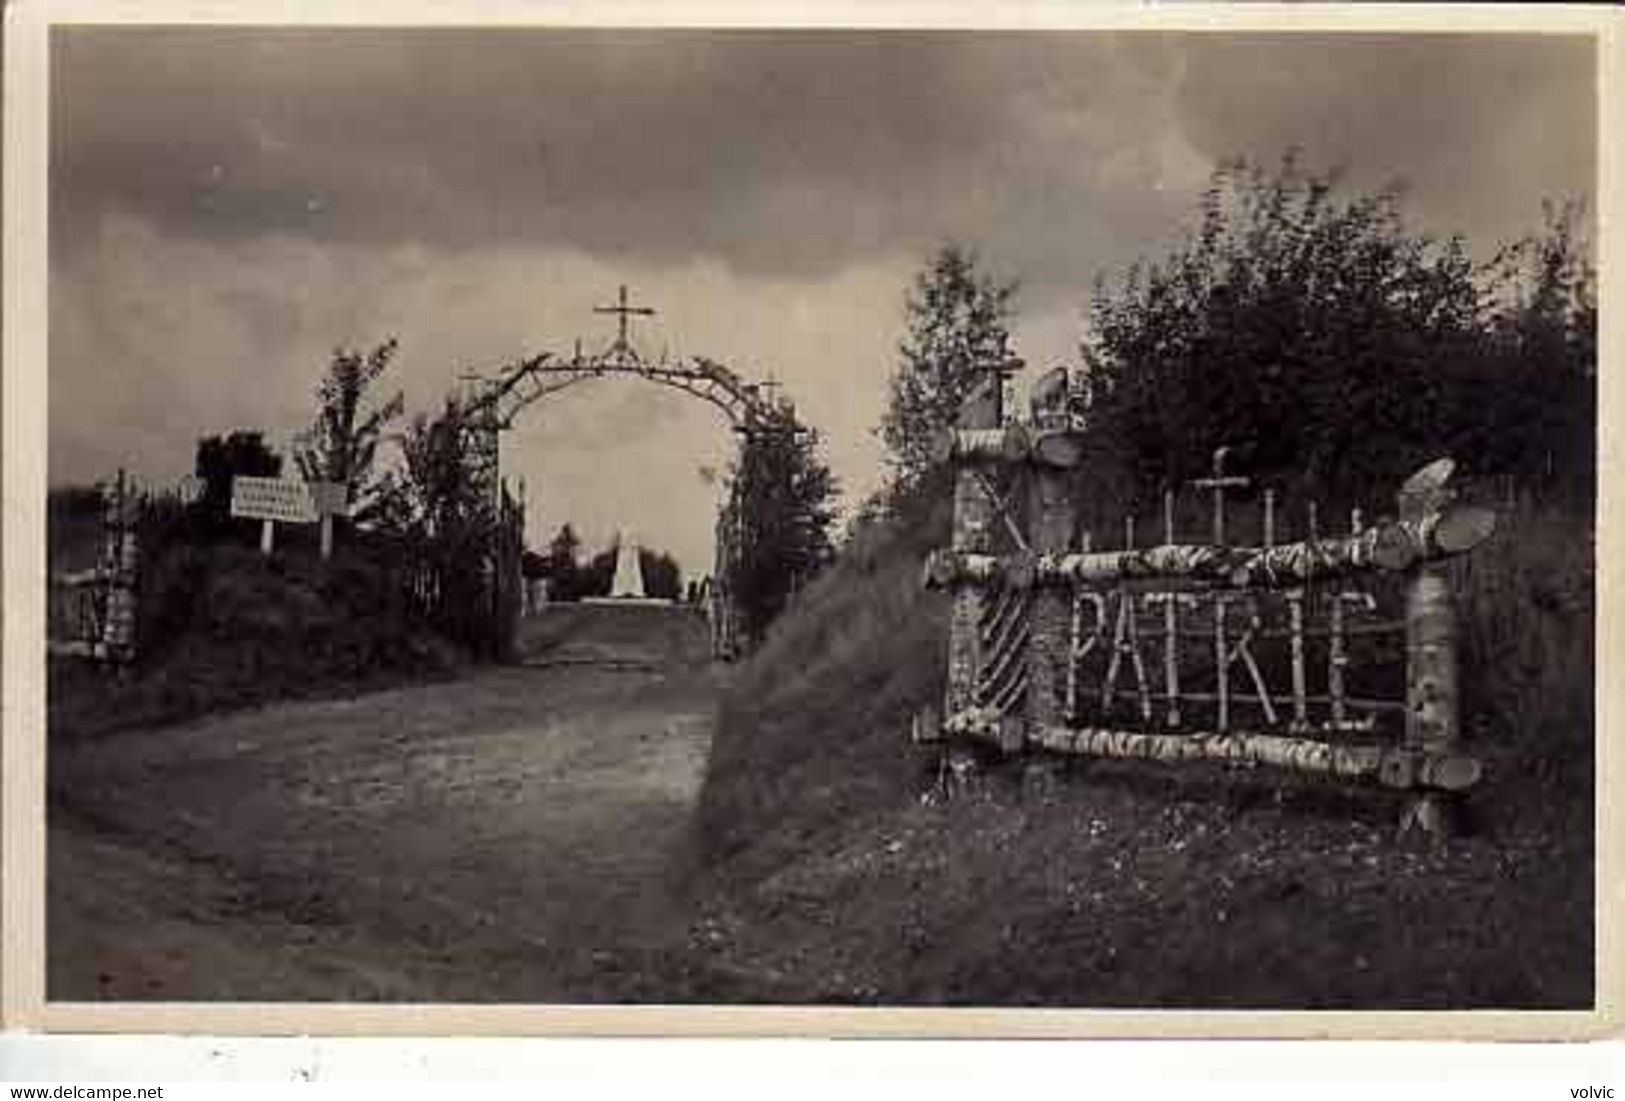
(1051, 523)
(1011, 443)
(946, 568)
(1395, 546)
(1392, 766)
(1008, 443)
(972, 525)
(1432, 723)
(988, 725)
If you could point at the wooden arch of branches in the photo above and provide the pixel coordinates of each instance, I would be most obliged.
(750, 408)
(545, 374)
(501, 399)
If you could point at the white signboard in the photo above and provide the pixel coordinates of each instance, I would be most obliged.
(284, 501)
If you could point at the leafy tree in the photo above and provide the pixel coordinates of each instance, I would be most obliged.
(957, 320)
(1332, 343)
(1308, 328)
(219, 459)
(436, 509)
(781, 507)
(662, 577)
(1540, 380)
(342, 444)
(597, 577)
(436, 493)
(564, 565)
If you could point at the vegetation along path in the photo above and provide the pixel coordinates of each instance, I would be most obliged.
(519, 835)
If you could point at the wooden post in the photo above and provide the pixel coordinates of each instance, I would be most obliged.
(510, 578)
(1300, 678)
(1049, 641)
(724, 609)
(1336, 661)
(972, 534)
(330, 499)
(1221, 666)
(1432, 715)
(121, 560)
(267, 536)
(1337, 657)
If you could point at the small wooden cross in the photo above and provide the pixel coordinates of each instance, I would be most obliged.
(1218, 483)
(625, 311)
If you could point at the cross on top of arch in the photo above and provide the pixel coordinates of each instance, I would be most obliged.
(625, 311)
(749, 407)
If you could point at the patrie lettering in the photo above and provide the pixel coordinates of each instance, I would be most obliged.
(1108, 624)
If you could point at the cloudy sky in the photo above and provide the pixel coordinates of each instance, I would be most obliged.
(229, 205)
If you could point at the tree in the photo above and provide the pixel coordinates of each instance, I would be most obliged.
(436, 509)
(957, 321)
(662, 577)
(219, 459)
(781, 509)
(342, 443)
(1342, 348)
(597, 576)
(438, 494)
(533, 565)
(564, 564)
(1316, 331)
(1540, 380)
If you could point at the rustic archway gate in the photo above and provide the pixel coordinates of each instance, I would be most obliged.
(497, 401)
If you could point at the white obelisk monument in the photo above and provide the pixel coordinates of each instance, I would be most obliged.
(628, 570)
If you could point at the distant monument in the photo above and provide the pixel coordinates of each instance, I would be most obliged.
(627, 588)
(628, 570)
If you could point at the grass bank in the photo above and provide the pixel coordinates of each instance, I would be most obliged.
(225, 627)
(839, 877)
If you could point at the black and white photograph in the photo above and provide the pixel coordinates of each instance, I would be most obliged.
(906, 517)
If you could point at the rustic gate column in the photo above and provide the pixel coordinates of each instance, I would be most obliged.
(972, 534)
(487, 443)
(1051, 523)
(724, 607)
(1051, 526)
(719, 566)
(120, 565)
(510, 574)
(1050, 620)
(1432, 719)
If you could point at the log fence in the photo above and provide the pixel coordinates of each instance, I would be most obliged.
(91, 613)
(1268, 653)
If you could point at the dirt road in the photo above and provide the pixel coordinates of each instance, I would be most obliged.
(515, 836)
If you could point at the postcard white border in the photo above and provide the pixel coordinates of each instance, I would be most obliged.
(22, 903)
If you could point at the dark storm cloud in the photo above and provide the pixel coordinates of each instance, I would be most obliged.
(669, 144)
(1478, 128)
(783, 153)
